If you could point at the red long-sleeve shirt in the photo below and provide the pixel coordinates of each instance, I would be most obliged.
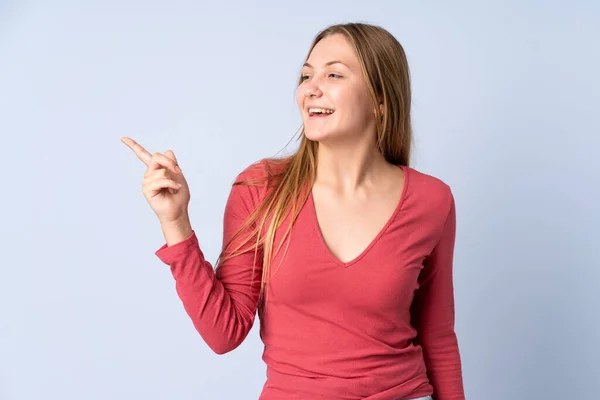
(380, 327)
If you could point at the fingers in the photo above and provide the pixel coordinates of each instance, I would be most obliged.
(158, 161)
(152, 187)
(171, 155)
(153, 161)
(160, 174)
(141, 153)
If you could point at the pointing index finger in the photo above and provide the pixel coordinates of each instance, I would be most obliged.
(141, 153)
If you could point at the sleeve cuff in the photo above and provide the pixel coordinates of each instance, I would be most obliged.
(167, 254)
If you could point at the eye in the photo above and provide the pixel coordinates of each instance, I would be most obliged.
(335, 75)
(303, 78)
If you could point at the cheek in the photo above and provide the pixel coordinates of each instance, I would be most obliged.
(357, 110)
(365, 109)
(300, 97)
(355, 102)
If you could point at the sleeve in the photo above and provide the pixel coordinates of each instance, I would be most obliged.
(222, 304)
(433, 315)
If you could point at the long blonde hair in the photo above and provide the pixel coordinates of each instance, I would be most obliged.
(385, 69)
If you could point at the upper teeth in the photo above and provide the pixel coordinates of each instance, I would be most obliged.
(319, 110)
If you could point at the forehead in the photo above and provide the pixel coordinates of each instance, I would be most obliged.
(334, 47)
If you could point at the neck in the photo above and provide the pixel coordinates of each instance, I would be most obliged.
(349, 166)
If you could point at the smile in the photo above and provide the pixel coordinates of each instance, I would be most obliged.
(319, 112)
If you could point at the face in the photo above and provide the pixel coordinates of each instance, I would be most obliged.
(332, 81)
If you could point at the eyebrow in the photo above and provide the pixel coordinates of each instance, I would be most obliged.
(327, 64)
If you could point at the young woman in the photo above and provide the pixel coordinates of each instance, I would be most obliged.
(345, 251)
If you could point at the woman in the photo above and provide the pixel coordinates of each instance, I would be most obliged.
(352, 248)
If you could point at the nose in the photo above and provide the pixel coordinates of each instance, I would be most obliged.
(312, 90)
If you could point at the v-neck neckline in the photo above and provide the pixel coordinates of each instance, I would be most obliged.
(321, 238)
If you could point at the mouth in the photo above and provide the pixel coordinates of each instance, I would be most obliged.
(318, 112)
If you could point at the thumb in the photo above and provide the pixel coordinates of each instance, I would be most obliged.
(171, 155)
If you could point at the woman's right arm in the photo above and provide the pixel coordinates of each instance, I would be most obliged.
(222, 305)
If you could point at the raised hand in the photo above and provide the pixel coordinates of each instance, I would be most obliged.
(164, 185)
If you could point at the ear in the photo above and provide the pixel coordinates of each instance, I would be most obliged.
(381, 108)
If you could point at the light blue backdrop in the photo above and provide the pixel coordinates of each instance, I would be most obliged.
(505, 106)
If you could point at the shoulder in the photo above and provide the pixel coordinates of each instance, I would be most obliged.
(431, 186)
(430, 193)
(262, 170)
(251, 184)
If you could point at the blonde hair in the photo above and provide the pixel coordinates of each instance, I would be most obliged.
(385, 69)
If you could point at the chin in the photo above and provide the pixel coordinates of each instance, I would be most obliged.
(318, 135)
(315, 136)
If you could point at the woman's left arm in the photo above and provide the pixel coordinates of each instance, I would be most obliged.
(432, 314)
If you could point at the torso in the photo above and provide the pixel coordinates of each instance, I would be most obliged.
(337, 320)
(348, 226)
